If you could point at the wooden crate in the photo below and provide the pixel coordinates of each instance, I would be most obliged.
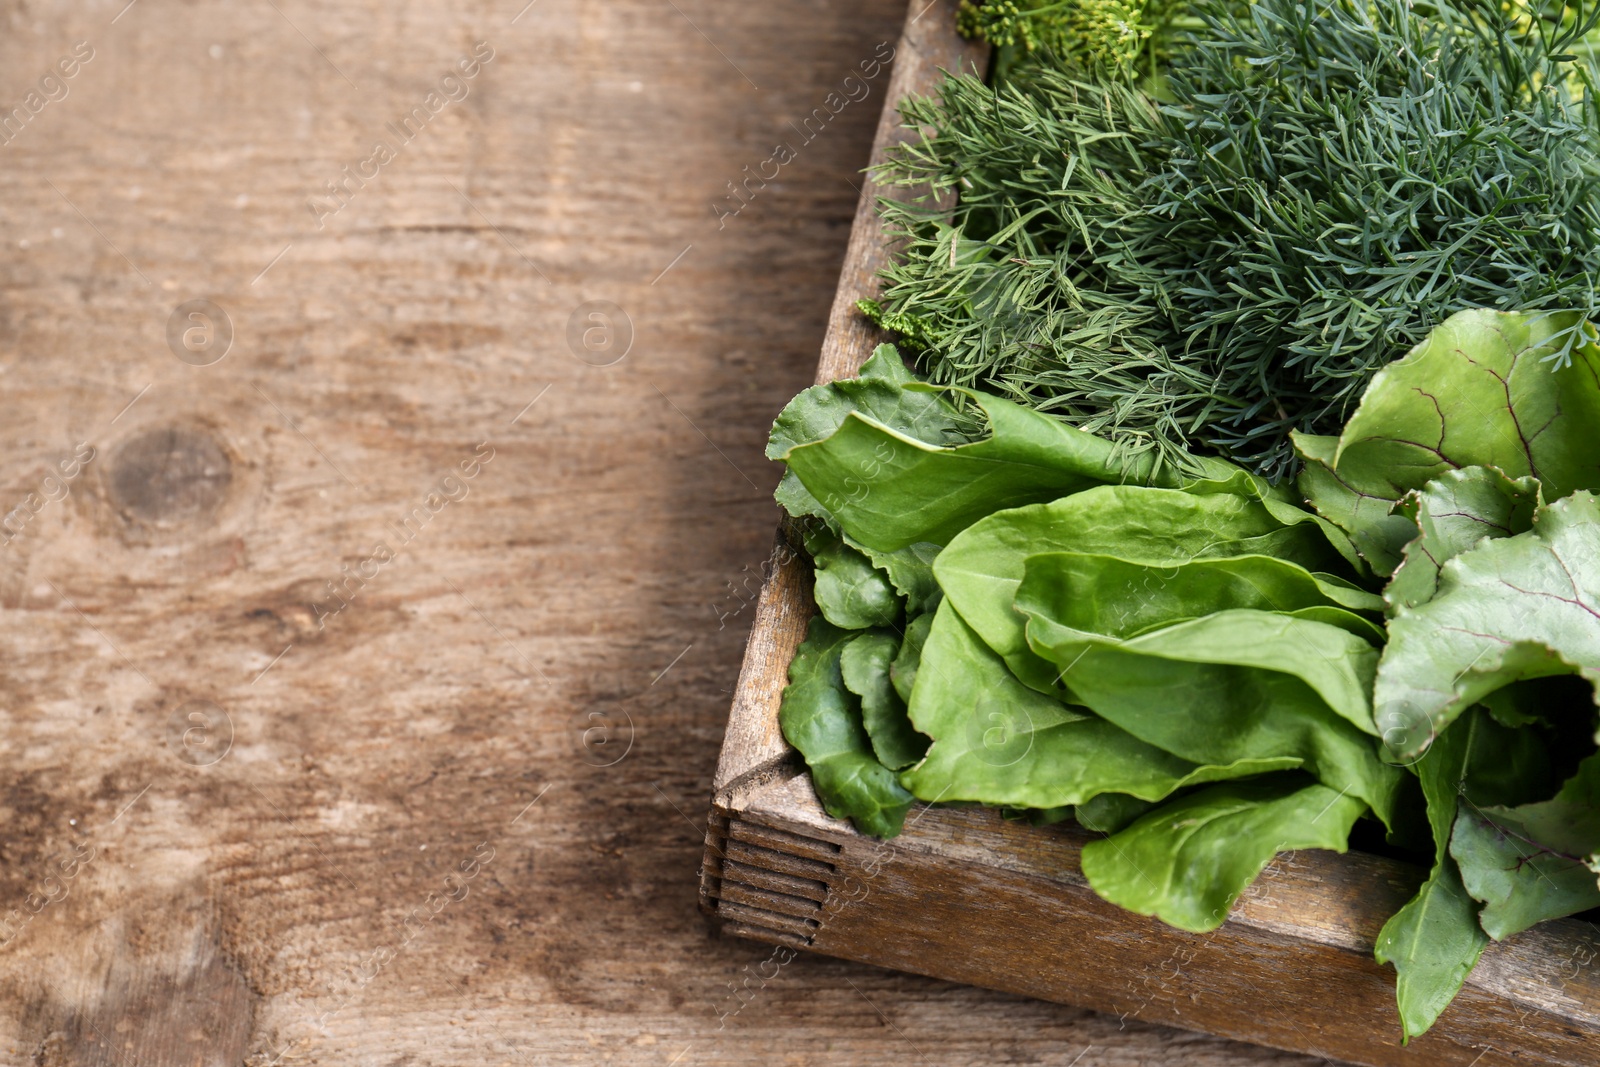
(966, 896)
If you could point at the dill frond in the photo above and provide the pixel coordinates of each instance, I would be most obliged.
(1320, 184)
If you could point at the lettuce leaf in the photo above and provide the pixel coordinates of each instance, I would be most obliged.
(1120, 598)
(999, 742)
(1230, 686)
(1187, 861)
(981, 569)
(864, 665)
(822, 720)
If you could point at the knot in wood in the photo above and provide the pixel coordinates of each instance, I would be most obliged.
(170, 476)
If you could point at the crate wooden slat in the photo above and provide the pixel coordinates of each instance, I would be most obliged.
(967, 896)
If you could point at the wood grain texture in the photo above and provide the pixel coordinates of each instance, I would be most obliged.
(965, 895)
(273, 901)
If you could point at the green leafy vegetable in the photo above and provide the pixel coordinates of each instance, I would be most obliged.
(1187, 861)
(1121, 598)
(1520, 881)
(1478, 391)
(1183, 657)
(1481, 391)
(1231, 686)
(1455, 511)
(998, 741)
(1109, 812)
(819, 717)
(910, 571)
(850, 591)
(879, 392)
(1511, 608)
(1434, 941)
(994, 739)
(1377, 532)
(981, 569)
(890, 490)
(864, 665)
(903, 671)
(1527, 863)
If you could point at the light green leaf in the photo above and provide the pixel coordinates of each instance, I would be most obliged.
(1433, 942)
(1121, 598)
(880, 392)
(1454, 512)
(1480, 390)
(821, 719)
(1519, 881)
(1231, 686)
(864, 664)
(1377, 534)
(1187, 861)
(999, 742)
(849, 590)
(981, 569)
(1568, 822)
(1511, 608)
(1283, 504)
(889, 489)
(1348, 621)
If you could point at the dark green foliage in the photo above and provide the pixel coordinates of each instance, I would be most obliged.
(1328, 181)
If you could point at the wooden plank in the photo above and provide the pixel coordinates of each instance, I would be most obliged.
(252, 912)
(967, 896)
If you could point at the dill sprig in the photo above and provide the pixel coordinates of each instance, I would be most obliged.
(1114, 36)
(1322, 183)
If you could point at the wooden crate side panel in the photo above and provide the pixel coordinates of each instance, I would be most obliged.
(1042, 937)
(904, 907)
(967, 896)
(753, 745)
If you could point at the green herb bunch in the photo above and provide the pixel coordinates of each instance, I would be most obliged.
(1123, 36)
(1327, 182)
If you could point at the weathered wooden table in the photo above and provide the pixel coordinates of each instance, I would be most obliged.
(360, 690)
